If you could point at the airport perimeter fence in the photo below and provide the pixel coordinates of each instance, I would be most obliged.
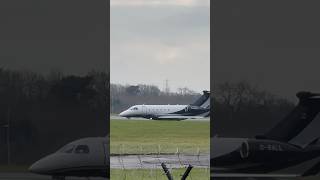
(147, 166)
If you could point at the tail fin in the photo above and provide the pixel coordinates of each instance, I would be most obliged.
(203, 100)
(303, 114)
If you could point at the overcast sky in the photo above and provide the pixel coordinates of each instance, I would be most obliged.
(272, 44)
(155, 40)
(45, 35)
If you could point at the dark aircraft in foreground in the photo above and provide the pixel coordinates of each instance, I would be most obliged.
(87, 157)
(290, 149)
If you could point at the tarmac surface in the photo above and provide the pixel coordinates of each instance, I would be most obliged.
(154, 161)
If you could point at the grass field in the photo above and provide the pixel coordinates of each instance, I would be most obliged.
(158, 174)
(147, 136)
(14, 168)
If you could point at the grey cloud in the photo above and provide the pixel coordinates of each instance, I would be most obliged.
(43, 35)
(157, 3)
(149, 45)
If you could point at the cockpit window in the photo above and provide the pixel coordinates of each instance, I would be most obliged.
(82, 149)
(134, 108)
(67, 148)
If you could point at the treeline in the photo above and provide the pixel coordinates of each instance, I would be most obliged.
(124, 96)
(240, 109)
(39, 113)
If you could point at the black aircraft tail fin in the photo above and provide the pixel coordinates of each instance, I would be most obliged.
(298, 119)
(203, 100)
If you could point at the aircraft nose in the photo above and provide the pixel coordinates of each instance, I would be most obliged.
(36, 167)
(42, 166)
(123, 114)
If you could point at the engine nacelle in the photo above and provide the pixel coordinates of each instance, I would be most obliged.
(267, 150)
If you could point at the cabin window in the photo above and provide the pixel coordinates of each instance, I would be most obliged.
(82, 149)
